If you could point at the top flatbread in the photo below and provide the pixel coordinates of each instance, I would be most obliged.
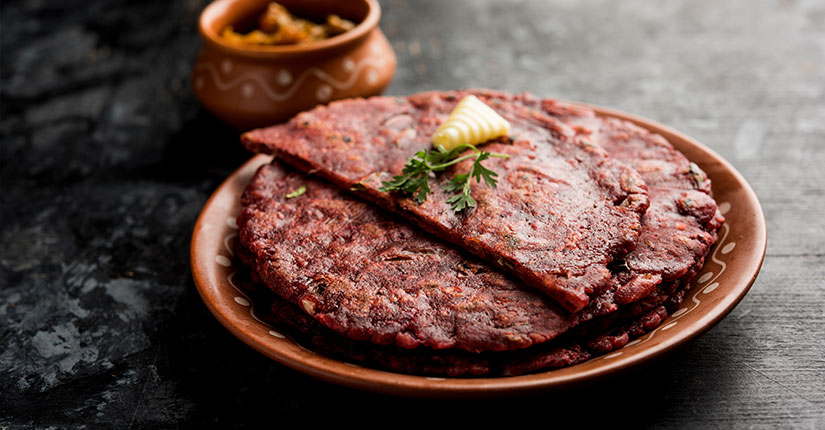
(362, 273)
(680, 225)
(563, 209)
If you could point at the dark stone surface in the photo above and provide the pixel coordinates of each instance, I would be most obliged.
(106, 160)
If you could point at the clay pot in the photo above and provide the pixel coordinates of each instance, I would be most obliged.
(255, 86)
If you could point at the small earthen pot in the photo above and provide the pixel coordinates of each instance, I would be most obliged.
(254, 86)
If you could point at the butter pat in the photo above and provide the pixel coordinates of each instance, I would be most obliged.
(471, 122)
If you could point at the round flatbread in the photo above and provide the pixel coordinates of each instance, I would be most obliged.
(680, 224)
(562, 210)
(368, 276)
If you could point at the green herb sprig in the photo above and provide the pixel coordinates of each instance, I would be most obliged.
(414, 178)
(299, 191)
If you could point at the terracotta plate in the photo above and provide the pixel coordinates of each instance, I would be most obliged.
(729, 271)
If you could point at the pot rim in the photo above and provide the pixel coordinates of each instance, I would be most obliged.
(219, 7)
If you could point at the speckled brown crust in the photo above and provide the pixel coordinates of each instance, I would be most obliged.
(367, 276)
(680, 225)
(677, 233)
(566, 351)
(563, 209)
(596, 336)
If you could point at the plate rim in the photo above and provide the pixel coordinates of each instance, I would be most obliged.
(342, 373)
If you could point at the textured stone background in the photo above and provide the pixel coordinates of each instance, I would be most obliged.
(106, 160)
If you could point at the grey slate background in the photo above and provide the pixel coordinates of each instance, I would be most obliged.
(106, 160)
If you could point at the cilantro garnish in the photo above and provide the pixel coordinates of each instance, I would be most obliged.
(414, 178)
(300, 190)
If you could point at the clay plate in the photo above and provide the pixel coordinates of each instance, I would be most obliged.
(729, 272)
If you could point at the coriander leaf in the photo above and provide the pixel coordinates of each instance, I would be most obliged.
(414, 177)
(457, 183)
(299, 191)
(419, 187)
(478, 171)
(411, 170)
(462, 201)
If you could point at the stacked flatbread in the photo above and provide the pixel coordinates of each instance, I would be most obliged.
(589, 239)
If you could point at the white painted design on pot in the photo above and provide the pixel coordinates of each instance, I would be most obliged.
(284, 78)
(372, 77)
(226, 67)
(206, 68)
(247, 90)
(323, 93)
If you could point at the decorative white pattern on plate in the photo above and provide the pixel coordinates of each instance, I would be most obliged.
(243, 300)
(707, 281)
